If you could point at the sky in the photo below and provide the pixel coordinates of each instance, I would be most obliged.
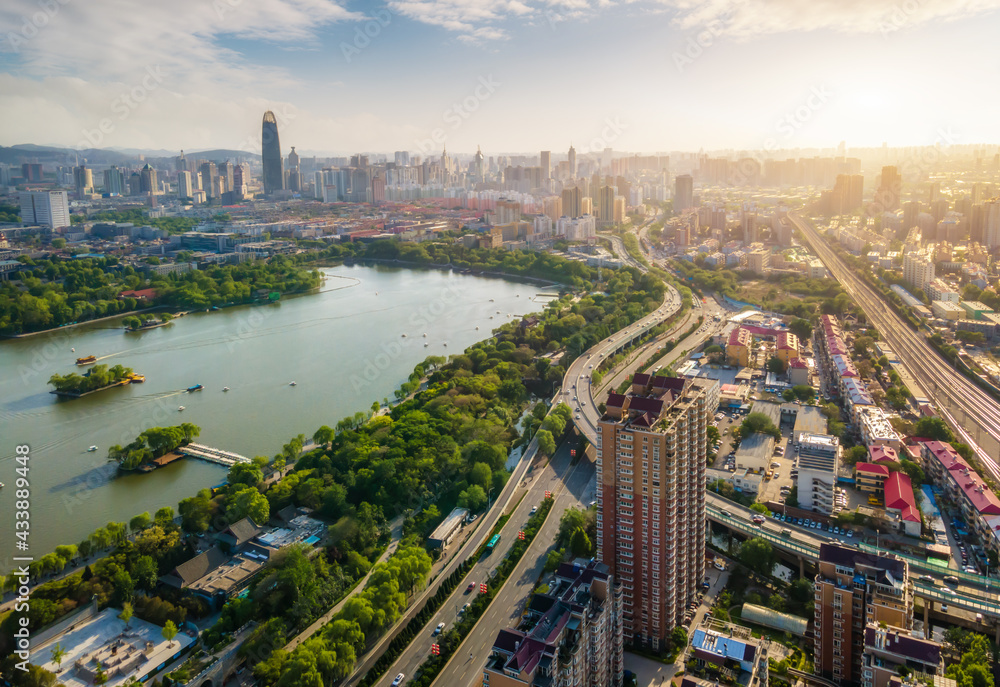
(506, 75)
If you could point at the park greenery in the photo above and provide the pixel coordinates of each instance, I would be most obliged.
(450, 434)
(54, 292)
(173, 225)
(97, 377)
(151, 444)
(756, 423)
(803, 297)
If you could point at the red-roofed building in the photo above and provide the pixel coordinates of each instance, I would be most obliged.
(882, 454)
(738, 347)
(870, 478)
(899, 500)
(980, 506)
(140, 295)
(786, 347)
(798, 372)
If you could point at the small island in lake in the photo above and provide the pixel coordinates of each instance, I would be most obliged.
(98, 378)
(137, 323)
(153, 447)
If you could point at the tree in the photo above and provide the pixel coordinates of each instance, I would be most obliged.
(801, 328)
(59, 244)
(145, 573)
(481, 474)
(169, 631)
(164, 516)
(473, 498)
(933, 428)
(759, 422)
(324, 436)
(248, 503)
(759, 507)
(245, 473)
(758, 555)
(126, 615)
(58, 654)
(554, 559)
(775, 365)
(679, 637)
(546, 442)
(579, 543)
(139, 522)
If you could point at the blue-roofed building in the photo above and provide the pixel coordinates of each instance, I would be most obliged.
(731, 653)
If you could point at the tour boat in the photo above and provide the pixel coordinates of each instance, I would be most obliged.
(196, 387)
(180, 407)
(292, 383)
(86, 360)
(72, 350)
(426, 345)
(92, 449)
(225, 388)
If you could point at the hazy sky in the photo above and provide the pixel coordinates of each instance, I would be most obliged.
(509, 75)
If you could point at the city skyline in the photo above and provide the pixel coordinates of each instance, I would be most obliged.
(507, 76)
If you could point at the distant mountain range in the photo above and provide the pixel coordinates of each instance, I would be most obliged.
(29, 152)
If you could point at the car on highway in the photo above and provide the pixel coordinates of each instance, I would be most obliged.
(577, 416)
(534, 509)
(399, 680)
(439, 629)
(470, 587)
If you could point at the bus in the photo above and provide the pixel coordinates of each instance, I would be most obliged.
(494, 540)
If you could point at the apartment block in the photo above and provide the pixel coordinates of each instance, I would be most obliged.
(731, 653)
(918, 270)
(570, 636)
(852, 591)
(651, 528)
(819, 457)
(890, 650)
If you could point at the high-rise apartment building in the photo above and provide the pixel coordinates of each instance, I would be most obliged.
(546, 164)
(683, 192)
(606, 205)
(570, 636)
(651, 451)
(571, 202)
(918, 270)
(572, 162)
(274, 178)
(184, 188)
(45, 208)
(890, 189)
(209, 172)
(991, 223)
(225, 170)
(852, 590)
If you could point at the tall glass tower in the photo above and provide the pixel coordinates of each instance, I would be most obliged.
(274, 179)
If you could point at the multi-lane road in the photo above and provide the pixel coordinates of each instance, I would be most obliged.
(973, 412)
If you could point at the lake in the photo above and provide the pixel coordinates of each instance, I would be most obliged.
(343, 347)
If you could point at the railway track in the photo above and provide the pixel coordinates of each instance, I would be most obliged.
(952, 392)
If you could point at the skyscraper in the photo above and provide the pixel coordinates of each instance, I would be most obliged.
(184, 189)
(147, 180)
(208, 174)
(83, 180)
(114, 180)
(477, 167)
(274, 178)
(991, 223)
(606, 205)
(226, 172)
(546, 164)
(889, 189)
(651, 451)
(45, 208)
(683, 192)
(571, 202)
(572, 162)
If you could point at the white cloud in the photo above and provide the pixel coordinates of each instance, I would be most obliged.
(749, 18)
(118, 39)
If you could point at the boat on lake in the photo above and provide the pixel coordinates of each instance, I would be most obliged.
(91, 449)
(292, 383)
(196, 387)
(180, 407)
(86, 360)
(225, 388)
